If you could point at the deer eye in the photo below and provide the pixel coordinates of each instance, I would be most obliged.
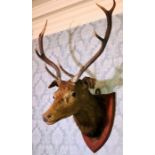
(73, 94)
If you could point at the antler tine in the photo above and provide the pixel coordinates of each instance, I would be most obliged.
(43, 57)
(104, 41)
(66, 72)
(47, 69)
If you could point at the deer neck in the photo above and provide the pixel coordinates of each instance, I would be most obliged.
(89, 118)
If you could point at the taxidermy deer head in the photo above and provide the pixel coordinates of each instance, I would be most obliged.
(73, 96)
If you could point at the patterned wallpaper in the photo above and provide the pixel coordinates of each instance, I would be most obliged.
(64, 137)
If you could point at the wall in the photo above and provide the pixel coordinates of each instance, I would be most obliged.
(64, 138)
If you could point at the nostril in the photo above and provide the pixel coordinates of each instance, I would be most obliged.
(48, 116)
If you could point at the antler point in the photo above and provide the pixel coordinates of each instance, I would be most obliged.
(37, 52)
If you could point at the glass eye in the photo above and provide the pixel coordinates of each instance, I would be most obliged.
(73, 94)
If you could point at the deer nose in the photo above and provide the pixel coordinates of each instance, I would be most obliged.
(46, 117)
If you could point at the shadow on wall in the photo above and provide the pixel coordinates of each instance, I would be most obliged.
(105, 86)
(108, 86)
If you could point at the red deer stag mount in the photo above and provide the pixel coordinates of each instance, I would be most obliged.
(93, 114)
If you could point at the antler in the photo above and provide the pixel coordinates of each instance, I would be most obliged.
(65, 71)
(43, 57)
(47, 69)
(104, 41)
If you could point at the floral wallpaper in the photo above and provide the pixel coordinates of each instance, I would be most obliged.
(70, 48)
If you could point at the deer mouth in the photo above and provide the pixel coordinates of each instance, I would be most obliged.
(53, 121)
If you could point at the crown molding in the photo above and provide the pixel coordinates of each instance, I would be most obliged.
(67, 14)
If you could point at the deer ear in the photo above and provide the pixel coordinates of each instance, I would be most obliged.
(53, 84)
(90, 82)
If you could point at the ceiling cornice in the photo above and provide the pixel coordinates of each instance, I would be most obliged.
(65, 14)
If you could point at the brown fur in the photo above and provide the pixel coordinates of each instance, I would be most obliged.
(83, 106)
